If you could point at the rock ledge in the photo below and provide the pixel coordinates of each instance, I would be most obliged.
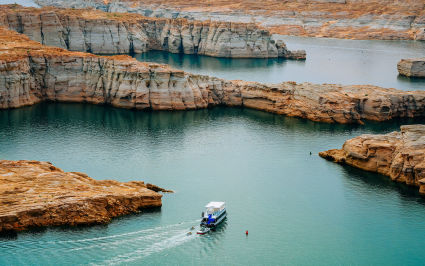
(414, 68)
(31, 73)
(38, 194)
(399, 155)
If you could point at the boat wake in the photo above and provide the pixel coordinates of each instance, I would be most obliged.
(164, 242)
(114, 249)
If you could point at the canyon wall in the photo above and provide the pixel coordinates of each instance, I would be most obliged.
(112, 33)
(38, 194)
(399, 155)
(353, 19)
(31, 72)
(414, 67)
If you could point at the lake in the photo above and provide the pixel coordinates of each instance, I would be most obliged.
(348, 62)
(298, 208)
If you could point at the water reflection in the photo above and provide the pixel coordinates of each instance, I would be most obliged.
(160, 122)
(377, 183)
(253, 160)
(183, 61)
(328, 61)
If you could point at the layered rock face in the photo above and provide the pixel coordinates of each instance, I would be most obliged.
(354, 19)
(112, 33)
(412, 67)
(34, 194)
(399, 155)
(31, 72)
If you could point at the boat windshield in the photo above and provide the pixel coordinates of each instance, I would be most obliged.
(214, 207)
(212, 210)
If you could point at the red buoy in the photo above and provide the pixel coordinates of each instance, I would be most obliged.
(246, 232)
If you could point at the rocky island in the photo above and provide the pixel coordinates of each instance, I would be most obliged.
(115, 33)
(414, 67)
(31, 72)
(38, 194)
(399, 155)
(349, 19)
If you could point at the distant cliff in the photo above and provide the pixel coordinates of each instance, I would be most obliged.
(399, 155)
(31, 72)
(349, 19)
(113, 33)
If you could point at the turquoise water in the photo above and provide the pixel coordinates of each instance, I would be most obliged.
(348, 62)
(298, 208)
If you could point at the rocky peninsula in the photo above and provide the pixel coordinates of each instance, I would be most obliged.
(99, 32)
(31, 72)
(352, 19)
(399, 155)
(414, 68)
(38, 194)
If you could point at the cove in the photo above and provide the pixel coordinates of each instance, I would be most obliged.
(299, 209)
(346, 62)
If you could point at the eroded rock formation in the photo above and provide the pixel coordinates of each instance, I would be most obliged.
(399, 155)
(412, 67)
(354, 19)
(113, 33)
(31, 72)
(38, 194)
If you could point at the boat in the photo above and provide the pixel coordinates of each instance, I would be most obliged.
(203, 230)
(214, 214)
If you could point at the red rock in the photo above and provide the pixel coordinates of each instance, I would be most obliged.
(399, 155)
(34, 193)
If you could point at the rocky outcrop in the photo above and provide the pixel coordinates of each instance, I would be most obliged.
(31, 72)
(399, 155)
(353, 19)
(412, 67)
(112, 33)
(38, 194)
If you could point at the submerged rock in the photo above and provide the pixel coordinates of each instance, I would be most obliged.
(399, 155)
(31, 73)
(412, 67)
(115, 33)
(38, 194)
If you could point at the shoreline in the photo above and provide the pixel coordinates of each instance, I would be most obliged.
(32, 73)
(398, 155)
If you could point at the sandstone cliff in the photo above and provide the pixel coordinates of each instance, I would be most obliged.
(34, 194)
(354, 19)
(112, 33)
(412, 67)
(399, 155)
(31, 72)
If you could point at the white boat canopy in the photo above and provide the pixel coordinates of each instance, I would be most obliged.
(215, 205)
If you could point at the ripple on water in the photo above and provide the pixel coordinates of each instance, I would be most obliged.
(298, 208)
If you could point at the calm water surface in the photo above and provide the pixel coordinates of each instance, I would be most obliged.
(328, 61)
(29, 3)
(299, 209)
